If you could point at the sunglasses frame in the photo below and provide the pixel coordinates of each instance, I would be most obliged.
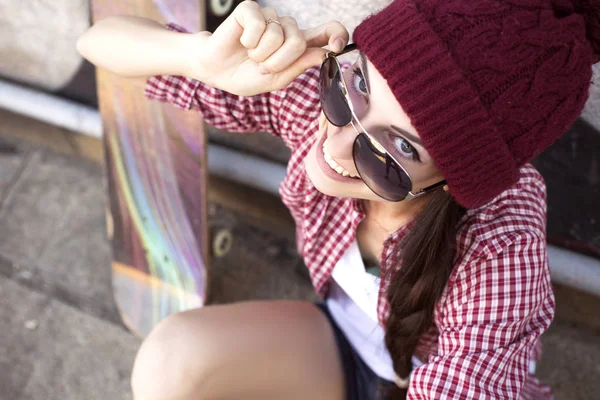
(354, 121)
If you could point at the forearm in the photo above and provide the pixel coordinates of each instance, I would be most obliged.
(136, 47)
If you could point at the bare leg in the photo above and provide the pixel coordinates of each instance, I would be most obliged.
(252, 350)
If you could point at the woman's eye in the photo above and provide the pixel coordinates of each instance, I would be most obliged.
(359, 82)
(406, 149)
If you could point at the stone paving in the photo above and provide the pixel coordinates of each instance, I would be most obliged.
(60, 334)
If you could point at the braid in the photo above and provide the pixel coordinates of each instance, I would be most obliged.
(427, 262)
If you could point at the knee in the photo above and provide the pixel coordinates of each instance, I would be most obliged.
(166, 365)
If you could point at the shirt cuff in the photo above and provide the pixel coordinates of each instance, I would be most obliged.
(177, 90)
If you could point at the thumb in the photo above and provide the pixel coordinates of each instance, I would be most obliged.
(312, 57)
(327, 34)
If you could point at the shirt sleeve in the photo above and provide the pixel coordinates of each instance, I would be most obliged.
(285, 113)
(489, 323)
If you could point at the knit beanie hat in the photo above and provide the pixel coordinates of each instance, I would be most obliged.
(488, 84)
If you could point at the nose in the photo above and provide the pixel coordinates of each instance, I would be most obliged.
(340, 141)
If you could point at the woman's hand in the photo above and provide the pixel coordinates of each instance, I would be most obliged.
(247, 56)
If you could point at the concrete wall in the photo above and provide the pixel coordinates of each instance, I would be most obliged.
(37, 44)
(591, 113)
(314, 12)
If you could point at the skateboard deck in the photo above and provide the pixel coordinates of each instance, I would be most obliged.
(157, 181)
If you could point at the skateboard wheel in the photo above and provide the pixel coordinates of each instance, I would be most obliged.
(222, 242)
(221, 7)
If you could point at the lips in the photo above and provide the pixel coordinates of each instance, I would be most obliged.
(335, 166)
(327, 168)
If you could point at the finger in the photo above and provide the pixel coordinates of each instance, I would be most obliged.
(327, 34)
(250, 17)
(291, 50)
(271, 40)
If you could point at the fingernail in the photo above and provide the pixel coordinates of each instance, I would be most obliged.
(262, 69)
(338, 44)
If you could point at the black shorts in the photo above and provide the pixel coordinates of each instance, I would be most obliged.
(361, 382)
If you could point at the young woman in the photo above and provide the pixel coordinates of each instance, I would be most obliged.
(421, 223)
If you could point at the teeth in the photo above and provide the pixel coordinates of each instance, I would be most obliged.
(335, 166)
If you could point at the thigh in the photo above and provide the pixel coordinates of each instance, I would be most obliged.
(260, 350)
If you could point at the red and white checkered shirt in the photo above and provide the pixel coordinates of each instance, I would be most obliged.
(498, 300)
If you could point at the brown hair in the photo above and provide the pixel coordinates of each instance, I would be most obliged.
(427, 259)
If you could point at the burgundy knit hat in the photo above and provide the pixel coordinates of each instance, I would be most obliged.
(488, 84)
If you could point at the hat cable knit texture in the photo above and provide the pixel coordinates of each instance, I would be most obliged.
(488, 84)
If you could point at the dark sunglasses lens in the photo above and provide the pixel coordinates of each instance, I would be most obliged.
(379, 172)
(333, 102)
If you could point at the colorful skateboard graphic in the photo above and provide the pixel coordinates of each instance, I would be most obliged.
(157, 178)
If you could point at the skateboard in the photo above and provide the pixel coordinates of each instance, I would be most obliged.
(157, 181)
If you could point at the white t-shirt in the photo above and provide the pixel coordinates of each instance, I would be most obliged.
(352, 302)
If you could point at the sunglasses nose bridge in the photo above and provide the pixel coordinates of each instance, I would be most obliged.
(346, 136)
(358, 129)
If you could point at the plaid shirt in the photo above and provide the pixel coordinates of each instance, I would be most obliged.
(498, 300)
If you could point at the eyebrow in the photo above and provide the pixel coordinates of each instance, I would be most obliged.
(409, 136)
(363, 66)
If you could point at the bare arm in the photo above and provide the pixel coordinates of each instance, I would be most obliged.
(137, 47)
(244, 56)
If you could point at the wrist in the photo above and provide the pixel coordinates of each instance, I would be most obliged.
(192, 48)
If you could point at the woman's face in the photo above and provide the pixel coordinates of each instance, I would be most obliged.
(330, 165)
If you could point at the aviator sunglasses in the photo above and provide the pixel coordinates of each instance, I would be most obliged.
(380, 171)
